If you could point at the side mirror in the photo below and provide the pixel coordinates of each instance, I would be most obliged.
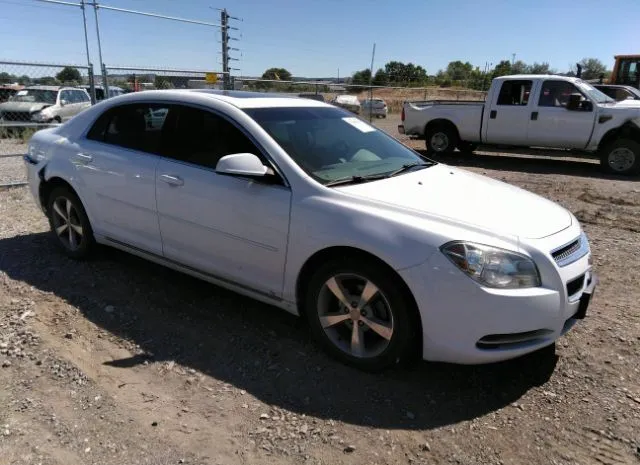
(63, 102)
(241, 164)
(574, 101)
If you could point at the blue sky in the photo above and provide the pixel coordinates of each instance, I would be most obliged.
(318, 37)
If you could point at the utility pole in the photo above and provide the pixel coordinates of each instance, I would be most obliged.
(224, 21)
(513, 59)
(103, 69)
(373, 55)
(92, 86)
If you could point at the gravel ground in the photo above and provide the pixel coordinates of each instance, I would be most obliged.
(11, 168)
(121, 361)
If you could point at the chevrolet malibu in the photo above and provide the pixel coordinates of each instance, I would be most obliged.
(306, 207)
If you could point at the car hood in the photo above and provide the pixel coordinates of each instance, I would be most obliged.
(29, 107)
(467, 198)
(626, 104)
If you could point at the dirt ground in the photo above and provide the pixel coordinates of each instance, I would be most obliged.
(119, 361)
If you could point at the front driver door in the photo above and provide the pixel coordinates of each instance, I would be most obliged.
(233, 228)
(552, 125)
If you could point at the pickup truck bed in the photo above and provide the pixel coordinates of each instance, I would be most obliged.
(470, 118)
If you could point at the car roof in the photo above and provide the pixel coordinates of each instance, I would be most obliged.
(240, 99)
(43, 87)
(539, 76)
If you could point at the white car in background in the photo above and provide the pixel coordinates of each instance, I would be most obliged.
(348, 102)
(306, 207)
(374, 107)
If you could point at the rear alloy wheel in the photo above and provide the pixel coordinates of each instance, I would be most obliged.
(441, 139)
(360, 317)
(69, 224)
(621, 157)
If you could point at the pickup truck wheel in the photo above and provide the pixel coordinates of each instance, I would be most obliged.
(621, 157)
(441, 139)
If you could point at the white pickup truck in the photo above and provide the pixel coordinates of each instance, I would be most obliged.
(533, 111)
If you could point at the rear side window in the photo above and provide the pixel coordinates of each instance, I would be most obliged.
(136, 127)
(515, 92)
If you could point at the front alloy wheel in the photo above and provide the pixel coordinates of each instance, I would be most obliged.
(362, 313)
(355, 315)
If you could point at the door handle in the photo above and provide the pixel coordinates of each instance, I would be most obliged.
(83, 157)
(493, 114)
(534, 116)
(172, 179)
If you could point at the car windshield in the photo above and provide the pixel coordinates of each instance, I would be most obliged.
(35, 95)
(593, 93)
(331, 144)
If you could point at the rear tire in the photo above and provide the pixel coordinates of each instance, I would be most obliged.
(441, 139)
(335, 321)
(69, 224)
(622, 156)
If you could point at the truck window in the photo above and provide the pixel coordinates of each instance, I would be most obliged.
(556, 93)
(514, 92)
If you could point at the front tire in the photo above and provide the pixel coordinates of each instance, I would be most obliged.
(361, 314)
(441, 139)
(69, 224)
(622, 156)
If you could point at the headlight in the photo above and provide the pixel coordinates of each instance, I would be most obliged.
(493, 267)
(38, 116)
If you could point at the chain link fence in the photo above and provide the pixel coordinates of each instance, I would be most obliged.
(34, 96)
(356, 96)
(134, 79)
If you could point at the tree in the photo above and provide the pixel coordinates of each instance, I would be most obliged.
(45, 81)
(502, 69)
(459, 71)
(400, 73)
(361, 77)
(541, 68)
(520, 67)
(277, 74)
(592, 68)
(69, 74)
(381, 78)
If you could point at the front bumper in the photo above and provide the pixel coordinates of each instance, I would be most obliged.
(466, 323)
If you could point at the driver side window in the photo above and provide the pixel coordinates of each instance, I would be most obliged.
(556, 93)
(202, 138)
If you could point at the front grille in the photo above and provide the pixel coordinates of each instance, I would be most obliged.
(575, 285)
(566, 251)
(16, 116)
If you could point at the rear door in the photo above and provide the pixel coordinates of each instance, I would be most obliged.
(552, 125)
(116, 164)
(509, 113)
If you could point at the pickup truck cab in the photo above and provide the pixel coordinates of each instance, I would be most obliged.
(533, 111)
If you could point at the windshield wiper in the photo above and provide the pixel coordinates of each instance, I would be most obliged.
(407, 167)
(355, 180)
(373, 177)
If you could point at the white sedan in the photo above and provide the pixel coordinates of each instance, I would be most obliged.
(306, 207)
